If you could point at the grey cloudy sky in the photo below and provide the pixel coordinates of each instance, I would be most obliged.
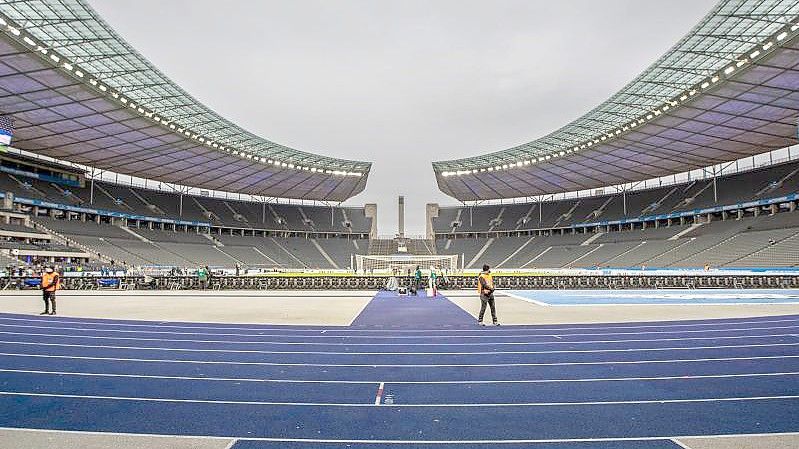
(402, 83)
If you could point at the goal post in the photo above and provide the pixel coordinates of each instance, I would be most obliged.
(402, 263)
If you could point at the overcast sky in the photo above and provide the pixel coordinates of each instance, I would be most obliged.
(402, 83)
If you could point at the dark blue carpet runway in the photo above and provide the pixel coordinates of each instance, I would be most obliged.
(410, 373)
(389, 310)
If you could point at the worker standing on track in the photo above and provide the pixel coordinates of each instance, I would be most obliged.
(51, 282)
(485, 287)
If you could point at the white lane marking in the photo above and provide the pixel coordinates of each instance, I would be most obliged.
(257, 351)
(379, 394)
(404, 382)
(422, 332)
(346, 441)
(522, 298)
(443, 405)
(500, 343)
(372, 365)
(680, 443)
(482, 336)
(231, 444)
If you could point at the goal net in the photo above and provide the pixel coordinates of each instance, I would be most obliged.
(401, 264)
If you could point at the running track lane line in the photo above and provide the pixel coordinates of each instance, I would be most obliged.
(357, 405)
(227, 362)
(379, 394)
(522, 327)
(409, 382)
(333, 441)
(332, 353)
(483, 335)
(531, 343)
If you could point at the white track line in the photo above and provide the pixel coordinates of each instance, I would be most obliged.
(680, 444)
(522, 298)
(372, 365)
(444, 405)
(379, 394)
(289, 328)
(492, 344)
(257, 351)
(482, 336)
(403, 382)
(459, 442)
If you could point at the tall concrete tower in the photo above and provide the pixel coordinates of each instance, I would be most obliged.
(401, 216)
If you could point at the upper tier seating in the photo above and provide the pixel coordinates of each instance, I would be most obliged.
(216, 211)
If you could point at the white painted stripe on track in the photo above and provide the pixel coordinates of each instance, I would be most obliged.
(522, 298)
(527, 327)
(354, 441)
(297, 343)
(405, 382)
(372, 365)
(257, 351)
(443, 405)
(379, 394)
(483, 336)
(680, 444)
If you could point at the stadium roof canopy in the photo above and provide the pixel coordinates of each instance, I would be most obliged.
(78, 92)
(728, 89)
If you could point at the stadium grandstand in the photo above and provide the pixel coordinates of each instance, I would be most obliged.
(677, 169)
(217, 290)
(87, 107)
(689, 165)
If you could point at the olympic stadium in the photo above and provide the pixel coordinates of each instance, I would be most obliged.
(214, 290)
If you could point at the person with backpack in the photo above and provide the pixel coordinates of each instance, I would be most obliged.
(485, 287)
(51, 282)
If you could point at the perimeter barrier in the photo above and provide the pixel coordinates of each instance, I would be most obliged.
(378, 282)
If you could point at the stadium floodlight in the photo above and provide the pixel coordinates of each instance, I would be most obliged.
(29, 41)
(782, 36)
(768, 45)
(3, 22)
(704, 85)
(13, 30)
(729, 70)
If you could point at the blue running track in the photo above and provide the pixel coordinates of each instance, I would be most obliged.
(410, 372)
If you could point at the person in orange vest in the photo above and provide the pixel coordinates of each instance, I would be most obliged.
(51, 282)
(485, 287)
